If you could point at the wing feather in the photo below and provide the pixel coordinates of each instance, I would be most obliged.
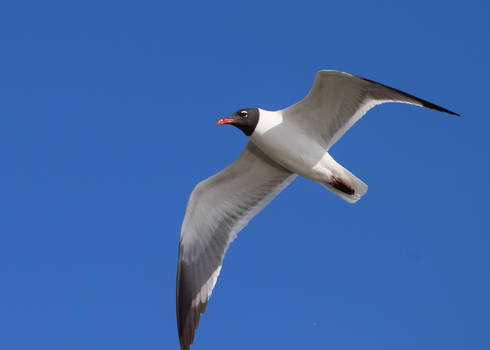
(338, 100)
(218, 208)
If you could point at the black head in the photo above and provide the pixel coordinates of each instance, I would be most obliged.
(245, 119)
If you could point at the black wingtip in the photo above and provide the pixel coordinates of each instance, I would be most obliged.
(422, 102)
(437, 108)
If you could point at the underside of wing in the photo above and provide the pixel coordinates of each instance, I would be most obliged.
(337, 100)
(218, 208)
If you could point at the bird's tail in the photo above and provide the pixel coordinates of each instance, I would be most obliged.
(346, 185)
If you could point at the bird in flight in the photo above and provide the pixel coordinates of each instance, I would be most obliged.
(282, 145)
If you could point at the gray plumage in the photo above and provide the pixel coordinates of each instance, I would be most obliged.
(282, 145)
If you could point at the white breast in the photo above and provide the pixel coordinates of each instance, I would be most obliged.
(267, 121)
(287, 145)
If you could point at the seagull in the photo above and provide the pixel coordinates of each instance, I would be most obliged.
(282, 145)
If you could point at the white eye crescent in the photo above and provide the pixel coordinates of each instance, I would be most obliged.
(243, 114)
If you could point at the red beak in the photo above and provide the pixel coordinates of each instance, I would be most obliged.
(224, 121)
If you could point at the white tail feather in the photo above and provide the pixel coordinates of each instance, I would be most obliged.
(349, 179)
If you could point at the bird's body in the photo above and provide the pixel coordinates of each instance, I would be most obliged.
(296, 150)
(287, 145)
(282, 144)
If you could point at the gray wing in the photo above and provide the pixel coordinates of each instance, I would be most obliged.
(337, 100)
(218, 208)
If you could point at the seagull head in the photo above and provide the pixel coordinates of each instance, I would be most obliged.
(245, 119)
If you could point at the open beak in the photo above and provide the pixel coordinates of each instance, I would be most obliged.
(224, 121)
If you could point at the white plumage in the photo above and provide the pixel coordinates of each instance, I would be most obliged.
(283, 144)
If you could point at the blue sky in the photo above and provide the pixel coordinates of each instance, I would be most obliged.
(108, 113)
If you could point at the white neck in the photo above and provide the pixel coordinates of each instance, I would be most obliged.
(267, 121)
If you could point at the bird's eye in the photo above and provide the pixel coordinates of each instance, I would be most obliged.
(243, 114)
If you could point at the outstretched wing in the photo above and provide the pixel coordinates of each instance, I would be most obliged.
(337, 100)
(218, 208)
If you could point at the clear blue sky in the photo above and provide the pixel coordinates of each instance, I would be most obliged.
(107, 121)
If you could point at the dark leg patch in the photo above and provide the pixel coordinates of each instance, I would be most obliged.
(341, 186)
